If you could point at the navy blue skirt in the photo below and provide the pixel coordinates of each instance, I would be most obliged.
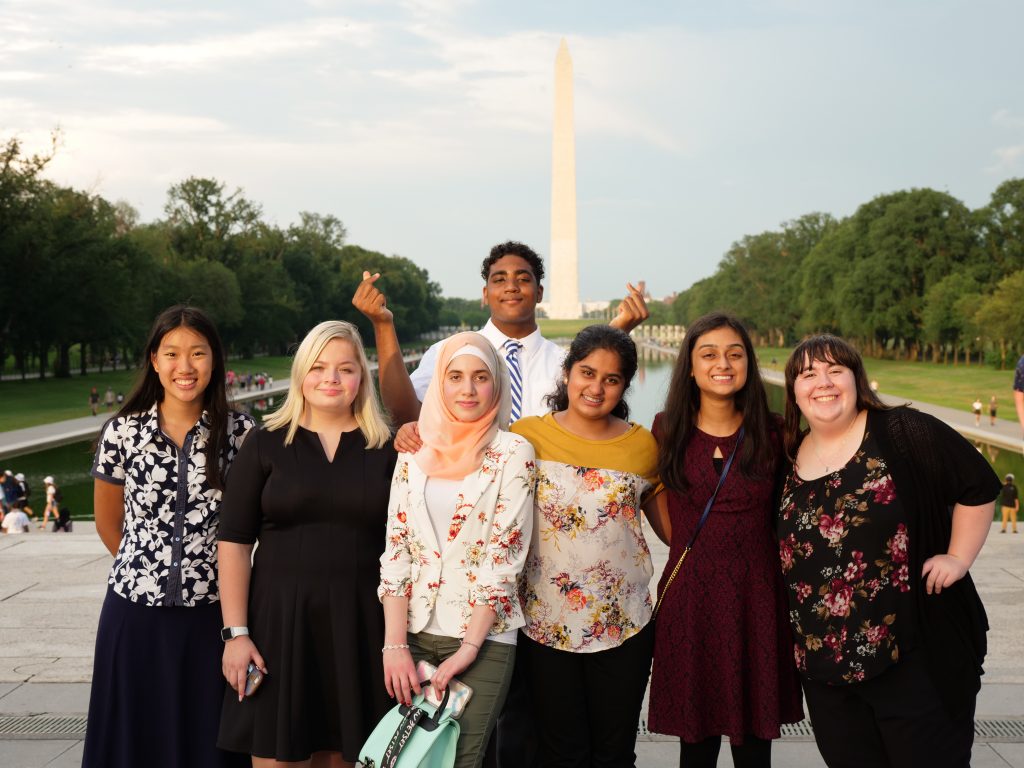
(157, 688)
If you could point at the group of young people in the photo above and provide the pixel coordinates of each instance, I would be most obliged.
(498, 536)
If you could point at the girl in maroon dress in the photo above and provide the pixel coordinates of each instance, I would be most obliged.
(722, 649)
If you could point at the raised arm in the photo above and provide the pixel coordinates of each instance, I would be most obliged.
(396, 388)
(632, 310)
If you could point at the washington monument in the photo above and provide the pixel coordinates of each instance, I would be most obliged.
(564, 285)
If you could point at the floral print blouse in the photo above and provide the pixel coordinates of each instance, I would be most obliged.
(589, 567)
(168, 553)
(486, 544)
(843, 543)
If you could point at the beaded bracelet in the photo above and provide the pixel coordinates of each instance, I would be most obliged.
(398, 647)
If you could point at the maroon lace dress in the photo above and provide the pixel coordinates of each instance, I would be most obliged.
(723, 660)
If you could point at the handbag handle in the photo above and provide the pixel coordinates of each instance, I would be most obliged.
(700, 523)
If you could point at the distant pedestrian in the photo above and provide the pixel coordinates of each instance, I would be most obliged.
(1018, 391)
(120, 399)
(992, 411)
(108, 399)
(1009, 500)
(53, 499)
(976, 409)
(874, 385)
(8, 490)
(15, 521)
(94, 401)
(24, 491)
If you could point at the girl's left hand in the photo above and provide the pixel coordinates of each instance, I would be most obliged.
(942, 571)
(454, 665)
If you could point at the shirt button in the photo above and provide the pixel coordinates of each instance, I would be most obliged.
(174, 564)
(177, 538)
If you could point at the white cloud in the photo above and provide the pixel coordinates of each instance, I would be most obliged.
(1004, 118)
(209, 52)
(1008, 159)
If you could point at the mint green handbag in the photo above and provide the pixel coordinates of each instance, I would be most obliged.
(418, 736)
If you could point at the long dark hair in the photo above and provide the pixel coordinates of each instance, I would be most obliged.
(824, 348)
(679, 419)
(149, 390)
(591, 339)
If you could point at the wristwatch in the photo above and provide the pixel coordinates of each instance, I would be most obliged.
(228, 633)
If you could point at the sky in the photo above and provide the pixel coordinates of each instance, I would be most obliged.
(425, 125)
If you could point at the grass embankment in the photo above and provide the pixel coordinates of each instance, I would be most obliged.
(32, 402)
(948, 385)
(557, 329)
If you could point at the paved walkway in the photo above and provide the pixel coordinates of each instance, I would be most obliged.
(52, 586)
(19, 441)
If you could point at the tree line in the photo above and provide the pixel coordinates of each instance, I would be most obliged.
(914, 274)
(77, 271)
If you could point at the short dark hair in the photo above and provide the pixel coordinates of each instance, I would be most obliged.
(824, 348)
(512, 248)
(591, 339)
(678, 421)
(148, 389)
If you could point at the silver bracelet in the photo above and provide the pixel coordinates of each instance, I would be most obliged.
(471, 645)
(398, 647)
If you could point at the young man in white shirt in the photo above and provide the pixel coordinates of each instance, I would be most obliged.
(512, 274)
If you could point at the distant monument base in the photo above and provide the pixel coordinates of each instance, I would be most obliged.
(560, 311)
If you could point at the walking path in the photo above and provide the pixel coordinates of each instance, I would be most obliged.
(20, 441)
(52, 587)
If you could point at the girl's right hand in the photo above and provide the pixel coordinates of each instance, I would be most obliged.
(400, 675)
(238, 652)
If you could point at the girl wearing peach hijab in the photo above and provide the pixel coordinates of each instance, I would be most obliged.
(459, 524)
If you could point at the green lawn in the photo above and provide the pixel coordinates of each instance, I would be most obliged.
(31, 402)
(953, 387)
(555, 329)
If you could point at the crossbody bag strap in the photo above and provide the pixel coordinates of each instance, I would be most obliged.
(700, 523)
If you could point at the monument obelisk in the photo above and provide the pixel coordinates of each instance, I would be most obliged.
(564, 301)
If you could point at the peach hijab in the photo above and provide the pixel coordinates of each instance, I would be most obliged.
(453, 449)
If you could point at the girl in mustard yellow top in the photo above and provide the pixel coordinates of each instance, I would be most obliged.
(587, 605)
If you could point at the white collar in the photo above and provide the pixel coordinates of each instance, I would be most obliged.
(497, 338)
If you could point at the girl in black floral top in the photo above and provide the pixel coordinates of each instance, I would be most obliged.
(159, 468)
(882, 514)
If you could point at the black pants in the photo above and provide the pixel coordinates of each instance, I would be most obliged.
(895, 719)
(588, 704)
(752, 753)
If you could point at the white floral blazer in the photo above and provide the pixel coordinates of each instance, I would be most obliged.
(487, 541)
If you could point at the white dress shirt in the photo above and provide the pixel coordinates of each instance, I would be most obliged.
(540, 361)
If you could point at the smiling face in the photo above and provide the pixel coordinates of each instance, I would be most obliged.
(332, 383)
(512, 293)
(468, 388)
(184, 364)
(719, 363)
(826, 394)
(595, 385)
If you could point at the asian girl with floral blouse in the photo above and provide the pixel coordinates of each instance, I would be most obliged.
(588, 606)
(459, 522)
(882, 514)
(160, 467)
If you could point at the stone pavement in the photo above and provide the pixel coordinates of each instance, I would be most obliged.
(52, 586)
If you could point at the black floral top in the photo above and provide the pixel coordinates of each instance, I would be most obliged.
(843, 543)
(168, 554)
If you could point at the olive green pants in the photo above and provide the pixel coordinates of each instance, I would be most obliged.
(489, 677)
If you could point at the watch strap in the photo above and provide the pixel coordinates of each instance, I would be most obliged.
(229, 633)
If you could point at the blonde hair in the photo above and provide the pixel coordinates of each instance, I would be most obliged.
(366, 409)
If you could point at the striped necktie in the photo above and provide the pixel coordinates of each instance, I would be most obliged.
(515, 376)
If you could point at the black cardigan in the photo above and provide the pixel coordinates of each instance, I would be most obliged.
(933, 467)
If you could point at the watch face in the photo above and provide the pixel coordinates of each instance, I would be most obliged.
(226, 634)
